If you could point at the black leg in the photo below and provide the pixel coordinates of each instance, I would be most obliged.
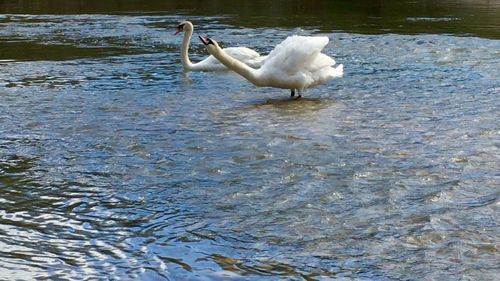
(292, 92)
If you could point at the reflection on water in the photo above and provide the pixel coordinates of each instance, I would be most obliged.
(115, 164)
(287, 106)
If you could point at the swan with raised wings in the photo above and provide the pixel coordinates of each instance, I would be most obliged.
(246, 55)
(296, 64)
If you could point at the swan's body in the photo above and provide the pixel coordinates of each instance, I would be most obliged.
(246, 55)
(296, 64)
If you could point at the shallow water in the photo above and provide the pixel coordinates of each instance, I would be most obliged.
(114, 164)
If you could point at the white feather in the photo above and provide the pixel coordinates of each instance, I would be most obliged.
(296, 63)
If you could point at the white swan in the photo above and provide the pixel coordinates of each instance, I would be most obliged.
(296, 64)
(243, 54)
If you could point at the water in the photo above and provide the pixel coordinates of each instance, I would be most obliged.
(116, 165)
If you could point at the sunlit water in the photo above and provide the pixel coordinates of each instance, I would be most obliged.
(114, 164)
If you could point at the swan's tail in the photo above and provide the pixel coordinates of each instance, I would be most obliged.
(326, 74)
(338, 71)
(333, 72)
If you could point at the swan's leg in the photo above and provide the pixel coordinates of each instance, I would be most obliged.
(300, 94)
(292, 92)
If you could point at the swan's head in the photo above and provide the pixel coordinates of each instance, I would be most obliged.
(209, 43)
(184, 26)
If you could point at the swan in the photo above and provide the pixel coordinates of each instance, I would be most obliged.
(296, 64)
(243, 54)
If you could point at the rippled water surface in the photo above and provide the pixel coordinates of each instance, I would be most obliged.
(114, 164)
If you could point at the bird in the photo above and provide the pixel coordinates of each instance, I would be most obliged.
(296, 64)
(243, 54)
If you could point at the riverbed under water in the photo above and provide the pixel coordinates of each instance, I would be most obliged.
(114, 164)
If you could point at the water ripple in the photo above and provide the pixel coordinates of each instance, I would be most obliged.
(114, 163)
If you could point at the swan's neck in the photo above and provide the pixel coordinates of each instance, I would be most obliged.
(186, 63)
(235, 65)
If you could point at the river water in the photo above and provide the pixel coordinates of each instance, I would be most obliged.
(116, 165)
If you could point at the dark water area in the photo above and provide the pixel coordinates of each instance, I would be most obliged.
(461, 17)
(117, 165)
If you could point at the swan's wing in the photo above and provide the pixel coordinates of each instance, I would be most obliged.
(295, 53)
(298, 63)
(256, 62)
(210, 64)
(243, 54)
(320, 61)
